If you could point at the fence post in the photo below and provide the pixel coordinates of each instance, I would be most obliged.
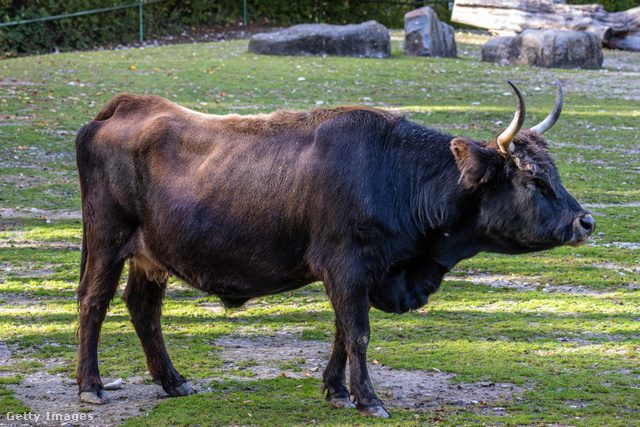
(141, 33)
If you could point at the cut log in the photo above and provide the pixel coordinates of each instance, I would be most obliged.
(618, 30)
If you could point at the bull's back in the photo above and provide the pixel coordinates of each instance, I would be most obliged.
(161, 147)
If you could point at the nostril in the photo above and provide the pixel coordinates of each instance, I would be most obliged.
(588, 224)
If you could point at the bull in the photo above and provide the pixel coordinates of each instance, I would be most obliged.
(376, 207)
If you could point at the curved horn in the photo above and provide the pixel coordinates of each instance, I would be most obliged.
(552, 118)
(505, 138)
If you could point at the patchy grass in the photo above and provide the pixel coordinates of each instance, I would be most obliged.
(271, 402)
(562, 324)
(8, 403)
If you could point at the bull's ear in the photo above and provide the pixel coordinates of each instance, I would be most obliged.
(478, 165)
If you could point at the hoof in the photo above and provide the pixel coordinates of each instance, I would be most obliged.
(340, 402)
(93, 397)
(181, 390)
(375, 411)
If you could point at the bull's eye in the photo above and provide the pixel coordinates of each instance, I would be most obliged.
(542, 187)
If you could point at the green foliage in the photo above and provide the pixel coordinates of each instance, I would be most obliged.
(70, 33)
(172, 16)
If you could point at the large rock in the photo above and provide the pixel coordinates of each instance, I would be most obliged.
(425, 35)
(500, 49)
(546, 49)
(369, 40)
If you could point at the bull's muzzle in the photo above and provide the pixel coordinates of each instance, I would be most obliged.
(583, 227)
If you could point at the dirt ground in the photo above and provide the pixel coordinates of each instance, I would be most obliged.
(51, 396)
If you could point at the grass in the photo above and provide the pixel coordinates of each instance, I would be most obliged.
(8, 403)
(562, 324)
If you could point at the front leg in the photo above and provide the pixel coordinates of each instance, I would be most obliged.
(351, 306)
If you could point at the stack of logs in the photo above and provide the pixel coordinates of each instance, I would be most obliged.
(617, 30)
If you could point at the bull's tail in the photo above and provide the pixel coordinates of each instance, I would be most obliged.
(86, 153)
(83, 256)
(84, 157)
(83, 267)
(83, 140)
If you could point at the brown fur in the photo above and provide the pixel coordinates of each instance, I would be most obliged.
(128, 106)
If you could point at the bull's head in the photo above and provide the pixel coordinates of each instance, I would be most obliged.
(523, 205)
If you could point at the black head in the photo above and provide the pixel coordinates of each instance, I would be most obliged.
(522, 205)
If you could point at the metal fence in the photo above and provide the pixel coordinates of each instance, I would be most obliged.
(139, 5)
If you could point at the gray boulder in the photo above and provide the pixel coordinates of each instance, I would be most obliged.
(500, 50)
(546, 49)
(425, 35)
(368, 40)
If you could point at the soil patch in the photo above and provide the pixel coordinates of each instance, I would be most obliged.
(39, 213)
(611, 205)
(55, 399)
(398, 388)
(522, 284)
(56, 395)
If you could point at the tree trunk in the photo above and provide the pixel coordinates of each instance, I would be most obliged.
(620, 30)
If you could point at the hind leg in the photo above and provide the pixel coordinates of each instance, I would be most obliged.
(97, 287)
(334, 376)
(144, 300)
